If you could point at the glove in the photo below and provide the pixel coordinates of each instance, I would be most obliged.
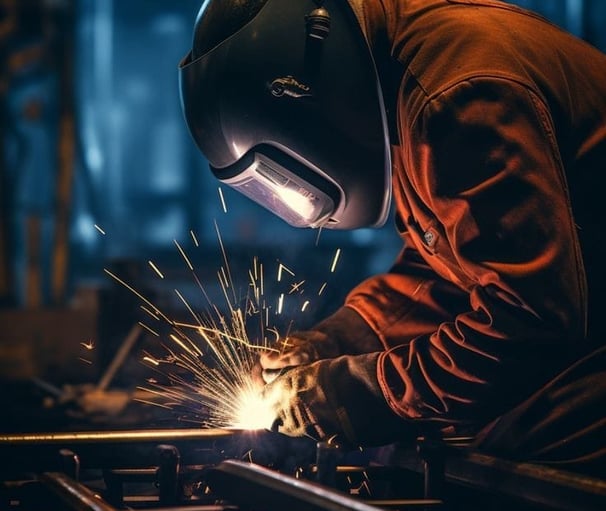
(335, 398)
(297, 349)
(343, 333)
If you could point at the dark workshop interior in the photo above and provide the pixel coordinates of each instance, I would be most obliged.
(108, 210)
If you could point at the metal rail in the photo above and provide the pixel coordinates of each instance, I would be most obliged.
(115, 449)
(537, 485)
(550, 488)
(247, 484)
(74, 494)
(140, 435)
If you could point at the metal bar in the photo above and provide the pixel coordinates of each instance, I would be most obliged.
(85, 437)
(117, 449)
(252, 486)
(74, 494)
(531, 483)
(406, 503)
(71, 463)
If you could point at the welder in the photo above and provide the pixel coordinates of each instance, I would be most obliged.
(487, 126)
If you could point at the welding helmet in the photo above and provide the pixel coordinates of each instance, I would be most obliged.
(287, 109)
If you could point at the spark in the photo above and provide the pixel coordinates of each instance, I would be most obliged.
(227, 336)
(85, 360)
(296, 287)
(223, 278)
(285, 268)
(189, 348)
(151, 313)
(134, 291)
(334, 262)
(358, 490)
(89, 345)
(186, 303)
(155, 268)
(253, 410)
(99, 229)
(208, 360)
(153, 332)
(145, 402)
(184, 255)
(224, 255)
(193, 237)
(254, 286)
(322, 289)
(318, 236)
(275, 332)
(223, 205)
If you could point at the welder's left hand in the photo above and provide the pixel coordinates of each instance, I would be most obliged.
(335, 397)
(299, 348)
(343, 333)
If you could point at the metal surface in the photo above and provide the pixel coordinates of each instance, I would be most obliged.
(246, 483)
(117, 449)
(140, 435)
(154, 468)
(536, 486)
(74, 494)
(249, 485)
(545, 486)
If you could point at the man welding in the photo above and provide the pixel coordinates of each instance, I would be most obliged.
(487, 124)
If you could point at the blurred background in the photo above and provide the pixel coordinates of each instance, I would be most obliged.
(101, 186)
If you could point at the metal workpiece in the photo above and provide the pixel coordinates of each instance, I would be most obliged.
(78, 496)
(271, 490)
(116, 449)
(126, 436)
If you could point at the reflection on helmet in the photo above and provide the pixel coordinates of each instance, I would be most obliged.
(288, 194)
(287, 108)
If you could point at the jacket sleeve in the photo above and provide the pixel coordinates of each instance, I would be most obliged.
(485, 178)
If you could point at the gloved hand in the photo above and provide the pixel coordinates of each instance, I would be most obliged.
(335, 397)
(343, 333)
(297, 349)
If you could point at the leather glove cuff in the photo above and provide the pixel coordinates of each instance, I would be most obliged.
(350, 334)
(360, 409)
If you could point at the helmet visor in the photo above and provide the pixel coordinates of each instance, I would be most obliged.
(282, 192)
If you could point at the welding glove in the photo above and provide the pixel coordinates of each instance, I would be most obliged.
(335, 398)
(343, 333)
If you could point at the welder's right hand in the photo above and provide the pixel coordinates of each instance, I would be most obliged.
(297, 349)
(338, 398)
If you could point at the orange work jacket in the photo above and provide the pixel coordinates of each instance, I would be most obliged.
(498, 161)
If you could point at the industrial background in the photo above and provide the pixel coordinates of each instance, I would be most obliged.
(99, 177)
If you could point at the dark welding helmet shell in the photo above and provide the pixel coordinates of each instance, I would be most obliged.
(274, 104)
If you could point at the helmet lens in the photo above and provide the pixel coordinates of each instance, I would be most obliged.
(283, 193)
